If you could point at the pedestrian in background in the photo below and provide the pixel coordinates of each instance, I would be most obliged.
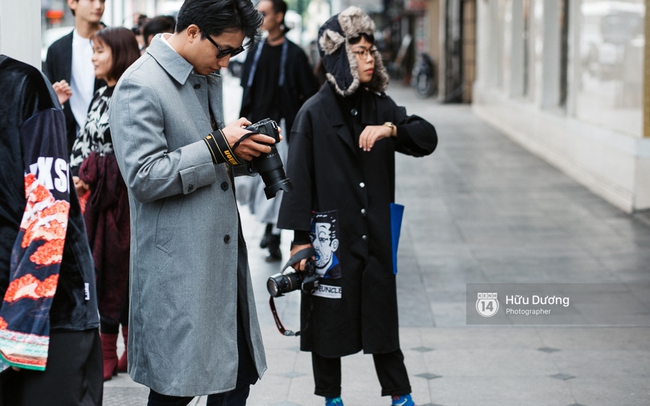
(157, 25)
(69, 59)
(139, 21)
(94, 169)
(193, 327)
(277, 79)
(49, 340)
(342, 166)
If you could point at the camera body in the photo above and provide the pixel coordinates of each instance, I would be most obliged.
(267, 127)
(282, 283)
(269, 166)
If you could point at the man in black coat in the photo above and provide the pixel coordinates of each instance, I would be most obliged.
(69, 60)
(277, 80)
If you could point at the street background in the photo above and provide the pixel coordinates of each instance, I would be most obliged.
(479, 210)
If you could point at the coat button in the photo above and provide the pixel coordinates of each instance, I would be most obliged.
(363, 212)
(224, 186)
(197, 86)
(190, 188)
(226, 238)
(362, 185)
(364, 237)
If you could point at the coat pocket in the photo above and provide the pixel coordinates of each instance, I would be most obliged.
(167, 223)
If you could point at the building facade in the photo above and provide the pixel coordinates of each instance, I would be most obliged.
(567, 80)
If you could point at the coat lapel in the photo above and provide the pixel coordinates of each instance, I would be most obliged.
(333, 114)
(175, 65)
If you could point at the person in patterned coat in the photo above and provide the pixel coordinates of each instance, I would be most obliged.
(50, 350)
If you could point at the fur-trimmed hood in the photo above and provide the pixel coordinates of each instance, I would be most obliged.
(338, 58)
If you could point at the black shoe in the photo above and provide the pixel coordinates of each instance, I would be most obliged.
(274, 257)
(273, 243)
(264, 242)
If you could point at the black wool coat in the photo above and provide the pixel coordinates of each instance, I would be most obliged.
(300, 84)
(330, 172)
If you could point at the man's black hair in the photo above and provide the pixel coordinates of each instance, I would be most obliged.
(157, 25)
(219, 16)
(357, 39)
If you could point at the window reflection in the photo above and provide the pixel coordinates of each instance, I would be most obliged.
(611, 64)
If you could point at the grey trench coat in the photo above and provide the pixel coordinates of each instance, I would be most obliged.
(184, 230)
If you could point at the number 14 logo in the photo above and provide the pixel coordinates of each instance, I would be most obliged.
(487, 304)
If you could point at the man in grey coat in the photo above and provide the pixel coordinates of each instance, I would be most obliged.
(193, 324)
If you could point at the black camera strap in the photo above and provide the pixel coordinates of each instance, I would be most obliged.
(244, 137)
(299, 256)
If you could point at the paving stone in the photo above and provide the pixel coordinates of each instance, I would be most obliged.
(548, 349)
(429, 376)
(563, 377)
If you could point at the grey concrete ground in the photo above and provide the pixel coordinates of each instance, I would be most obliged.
(480, 210)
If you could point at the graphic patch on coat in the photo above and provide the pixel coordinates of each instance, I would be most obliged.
(324, 232)
(329, 292)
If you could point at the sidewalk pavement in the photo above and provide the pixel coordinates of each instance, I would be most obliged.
(479, 210)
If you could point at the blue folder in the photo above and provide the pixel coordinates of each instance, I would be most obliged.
(396, 214)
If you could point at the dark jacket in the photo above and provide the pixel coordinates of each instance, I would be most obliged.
(300, 83)
(33, 161)
(107, 223)
(330, 173)
(58, 66)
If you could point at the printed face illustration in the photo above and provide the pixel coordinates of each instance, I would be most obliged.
(324, 245)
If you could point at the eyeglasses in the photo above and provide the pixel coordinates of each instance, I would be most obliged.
(364, 52)
(223, 52)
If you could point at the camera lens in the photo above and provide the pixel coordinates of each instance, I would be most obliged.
(273, 288)
(272, 172)
(280, 283)
(270, 165)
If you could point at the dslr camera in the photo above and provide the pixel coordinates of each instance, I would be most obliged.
(269, 166)
(282, 283)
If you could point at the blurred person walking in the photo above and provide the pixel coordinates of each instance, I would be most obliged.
(342, 166)
(193, 327)
(69, 61)
(277, 79)
(94, 170)
(49, 340)
(157, 25)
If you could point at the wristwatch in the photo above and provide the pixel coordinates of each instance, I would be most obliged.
(391, 126)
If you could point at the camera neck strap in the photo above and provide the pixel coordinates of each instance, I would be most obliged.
(278, 322)
(297, 257)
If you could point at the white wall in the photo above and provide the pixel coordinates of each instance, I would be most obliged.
(612, 163)
(20, 30)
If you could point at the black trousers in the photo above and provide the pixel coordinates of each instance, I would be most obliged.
(73, 375)
(390, 369)
(109, 325)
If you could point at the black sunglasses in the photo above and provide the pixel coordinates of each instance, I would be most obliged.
(223, 52)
